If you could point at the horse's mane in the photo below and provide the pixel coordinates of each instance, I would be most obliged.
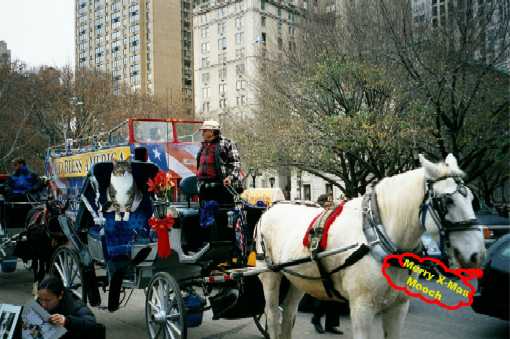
(401, 194)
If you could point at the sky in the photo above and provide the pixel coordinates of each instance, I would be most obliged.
(38, 32)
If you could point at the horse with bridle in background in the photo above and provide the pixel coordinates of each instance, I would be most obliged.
(43, 233)
(432, 198)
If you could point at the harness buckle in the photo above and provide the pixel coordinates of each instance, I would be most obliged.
(316, 237)
(374, 243)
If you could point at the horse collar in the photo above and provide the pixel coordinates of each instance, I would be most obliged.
(379, 242)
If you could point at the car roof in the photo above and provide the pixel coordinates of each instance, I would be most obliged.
(492, 219)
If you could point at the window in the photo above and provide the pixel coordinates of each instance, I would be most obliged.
(221, 88)
(241, 100)
(264, 38)
(240, 84)
(205, 93)
(222, 58)
(221, 28)
(205, 47)
(280, 43)
(134, 59)
(116, 6)
(279, 11)
(222, 73)
(240, 53)
(329, 189)
(205, 61)
(307, 192)
(239, 38)
(205, 106)
(263, 21)
(240, 69)
(239, 23)
(203, 32)
(223, 103)
(115, 35)
(221, 12)
(262, 4)
(205, 78)
(222, 43)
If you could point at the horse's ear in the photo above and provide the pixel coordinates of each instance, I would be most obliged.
(451, 161)
(431, 170)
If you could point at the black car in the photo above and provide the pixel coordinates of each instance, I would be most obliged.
(494, 226)
(493, 294)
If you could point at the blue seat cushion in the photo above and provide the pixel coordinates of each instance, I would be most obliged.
(121, 235)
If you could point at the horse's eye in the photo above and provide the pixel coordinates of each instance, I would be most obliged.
(448, 201)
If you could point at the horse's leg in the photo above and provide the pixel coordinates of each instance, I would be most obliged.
(271, 285)
(393, 320)
(362, 318)
(290, 306)
(35, 271)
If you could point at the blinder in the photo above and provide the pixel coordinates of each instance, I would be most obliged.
(437, 205)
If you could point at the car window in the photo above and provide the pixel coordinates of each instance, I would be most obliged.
(506, 252)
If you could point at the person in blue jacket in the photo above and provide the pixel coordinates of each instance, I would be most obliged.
(22, 180)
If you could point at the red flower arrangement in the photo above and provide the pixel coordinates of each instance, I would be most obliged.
(162, 186)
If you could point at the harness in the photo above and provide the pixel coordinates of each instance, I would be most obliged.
(436, 205)
(379, 244)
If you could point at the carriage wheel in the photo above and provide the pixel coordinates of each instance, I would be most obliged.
(164, 308)
(66, 265)
(261, 323)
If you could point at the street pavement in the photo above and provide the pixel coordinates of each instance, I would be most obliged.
(424, 321)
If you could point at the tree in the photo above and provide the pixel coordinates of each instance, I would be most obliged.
(338, 116)
(43, 107)
(455, 64)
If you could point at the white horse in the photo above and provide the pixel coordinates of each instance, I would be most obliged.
(432, 197)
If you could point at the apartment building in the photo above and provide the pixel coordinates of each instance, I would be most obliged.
(145, 45)
(495, 35)
(230, 37)
(5, 54)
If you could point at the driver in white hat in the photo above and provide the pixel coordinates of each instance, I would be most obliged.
(218, 164)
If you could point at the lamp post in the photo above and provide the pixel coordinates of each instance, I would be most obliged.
(271, 181)
(253, 173)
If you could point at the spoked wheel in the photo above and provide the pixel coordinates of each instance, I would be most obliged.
(261, 323)
(164, 308)
(66, 265)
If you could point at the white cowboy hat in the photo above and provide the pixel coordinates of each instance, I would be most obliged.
(210, 124)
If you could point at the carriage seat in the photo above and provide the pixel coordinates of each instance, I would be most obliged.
(118, 238)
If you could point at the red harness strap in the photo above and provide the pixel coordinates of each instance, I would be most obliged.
(332, 217)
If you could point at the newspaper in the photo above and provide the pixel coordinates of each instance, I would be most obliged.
(35, 323)
(9, 315)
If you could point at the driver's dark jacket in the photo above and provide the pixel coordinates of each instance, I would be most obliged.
(80, 321)
(23, 181)
(227, 160)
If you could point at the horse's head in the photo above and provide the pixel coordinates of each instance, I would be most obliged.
(447, 213)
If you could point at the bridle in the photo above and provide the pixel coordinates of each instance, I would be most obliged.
(436, 205)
